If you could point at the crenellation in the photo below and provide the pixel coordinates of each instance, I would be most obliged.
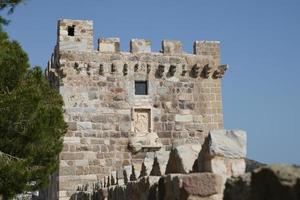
(140, 46)
(109, 45)
(208, 49)
(171, 47)
(75, 35)
(122, 105)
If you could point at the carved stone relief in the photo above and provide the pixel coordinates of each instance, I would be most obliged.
(141, 118)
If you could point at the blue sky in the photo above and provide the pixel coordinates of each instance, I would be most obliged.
(260, 40)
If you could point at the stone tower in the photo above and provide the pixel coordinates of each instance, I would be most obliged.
(121, 105)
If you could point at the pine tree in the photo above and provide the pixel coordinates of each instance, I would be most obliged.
(10, 5)
(31, 123)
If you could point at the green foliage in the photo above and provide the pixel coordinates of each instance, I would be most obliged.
(31, 123)
(12, 55)
(10, 5)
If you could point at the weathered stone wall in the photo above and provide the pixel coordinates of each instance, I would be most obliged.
(107, 126)
(175, 174)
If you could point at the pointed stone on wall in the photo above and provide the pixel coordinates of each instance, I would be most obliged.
(155, 163)
(182, 158)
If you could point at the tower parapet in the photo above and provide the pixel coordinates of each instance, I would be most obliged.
(75, 35)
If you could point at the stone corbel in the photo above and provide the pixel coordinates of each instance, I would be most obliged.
(113, 68)
(77, 67)
(160, 71)
(207, 69)
(195, 70)
(184, 70)
(172, 70)
(81, 67)
(136, 67)
(58, 72)
(219, 73)
(61, 73)
(125, 69)
(88, 72)
(148, 68)
(149, 141)
(101, 70)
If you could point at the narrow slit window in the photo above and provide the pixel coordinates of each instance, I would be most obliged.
(141, 88)
(71, 30)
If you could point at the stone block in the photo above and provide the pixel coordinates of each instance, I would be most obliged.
(143, 189)
(71, 156)
(66, 171)
(238, 188)
(84, 125)
(62, 193)
(207, 48)
(72, 140)
(140, 46)
(183, 118)
(109, 45)
(148, 140)
(183, 158)
(72, 126)
(190, 186)
(171, 47)
(147, 163)
(162, 159)
(155, 163)
(81, 38)
(81, 162)
(126, 173)
(225, 167)
(227, 143)
(238, 166)
(276, 182)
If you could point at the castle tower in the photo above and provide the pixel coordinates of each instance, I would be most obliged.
(121, 105)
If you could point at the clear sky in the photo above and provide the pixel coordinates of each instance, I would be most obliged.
(260, 40)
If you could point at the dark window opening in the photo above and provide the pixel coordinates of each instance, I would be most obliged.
(71, 30)
(141, 88)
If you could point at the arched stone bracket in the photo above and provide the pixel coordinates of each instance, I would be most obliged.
(149, 141)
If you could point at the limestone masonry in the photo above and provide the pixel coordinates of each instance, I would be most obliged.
(131, 111)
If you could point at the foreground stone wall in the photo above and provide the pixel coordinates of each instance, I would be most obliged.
(270, 182)
(109, 125)
(176, 174)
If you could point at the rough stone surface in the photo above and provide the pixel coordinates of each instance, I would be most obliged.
(83, 35)
(151, 140)
(182, 158)
(140, 46)
(142, 189)
(195, 185)
(273, 182)
(229, 144)
(226, 167)
(156, 162)
(276, 182)
(109, 45)
(251, 165)
(219, 156)
(238, 188)
(171, 47)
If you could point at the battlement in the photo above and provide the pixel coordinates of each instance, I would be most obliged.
(77, 35)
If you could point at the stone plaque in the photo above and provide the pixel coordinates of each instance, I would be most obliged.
(141, 119)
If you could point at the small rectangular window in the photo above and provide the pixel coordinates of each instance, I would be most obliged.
(71, 30)
(141, 88)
